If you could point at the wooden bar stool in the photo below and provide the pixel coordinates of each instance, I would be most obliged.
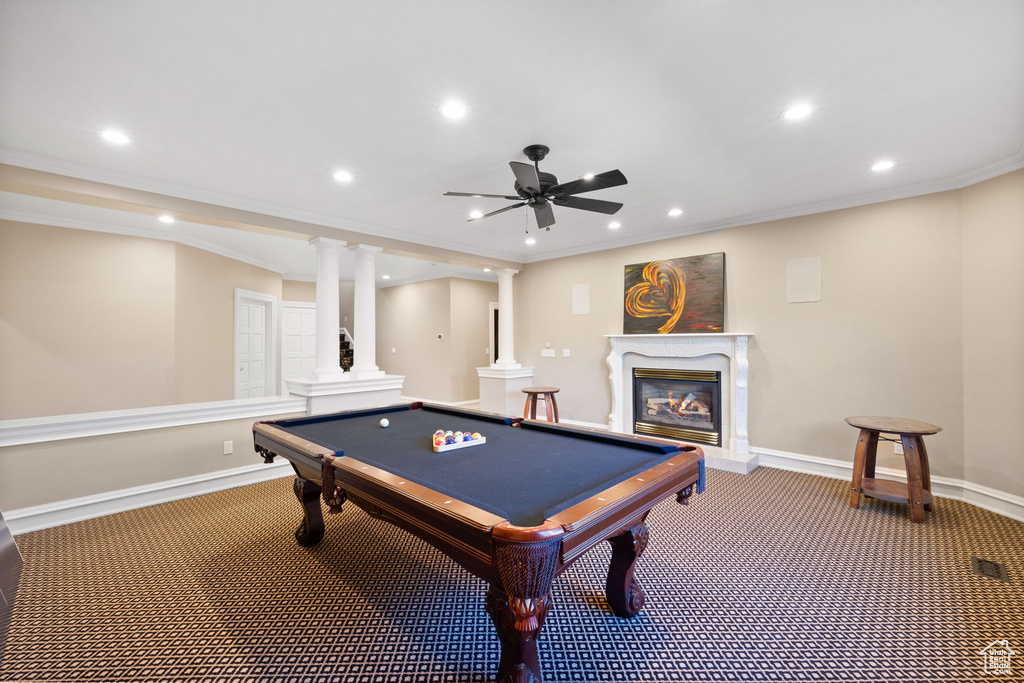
(917, 491)
(546, 394)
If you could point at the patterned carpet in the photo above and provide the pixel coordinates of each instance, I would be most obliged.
(766, 577)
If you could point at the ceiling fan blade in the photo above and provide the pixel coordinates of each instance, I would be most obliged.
(588, 204)
(526, 174)
(493, 213)
(545, 215)
(470, 194)
(601, 181)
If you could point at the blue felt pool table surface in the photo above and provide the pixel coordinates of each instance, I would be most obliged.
(524, 474)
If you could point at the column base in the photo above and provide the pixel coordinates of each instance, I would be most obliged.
(372, 372)
(347, 393)
(501, 389)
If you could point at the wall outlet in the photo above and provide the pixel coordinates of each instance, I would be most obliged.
(897, 447)
(394, 350)
(487, 352)
(565, 353)
(229, 447)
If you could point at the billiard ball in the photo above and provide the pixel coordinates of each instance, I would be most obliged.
(384, 422)
(449, 439)
(476, 435)
(467, 437)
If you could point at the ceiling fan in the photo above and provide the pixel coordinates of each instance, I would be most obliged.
(540, 190)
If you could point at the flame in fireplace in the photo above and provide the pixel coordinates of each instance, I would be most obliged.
(662, 292)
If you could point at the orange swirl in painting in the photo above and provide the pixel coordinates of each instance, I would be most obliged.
(662, 292)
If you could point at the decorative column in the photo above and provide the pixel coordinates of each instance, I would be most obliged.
(364, 314)
(329, 389)
(506, 321)
(502, 382)
(328, 365)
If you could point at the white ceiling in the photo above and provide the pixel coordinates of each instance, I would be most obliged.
(254, 105)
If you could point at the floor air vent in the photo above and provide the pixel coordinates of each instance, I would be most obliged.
(993, 570)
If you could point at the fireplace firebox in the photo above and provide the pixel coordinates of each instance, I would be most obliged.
(678, 404)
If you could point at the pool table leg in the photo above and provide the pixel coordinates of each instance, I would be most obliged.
(624, 593)
(311, 530)
(518, 663)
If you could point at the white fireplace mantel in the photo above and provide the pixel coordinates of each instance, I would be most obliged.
(673, 350)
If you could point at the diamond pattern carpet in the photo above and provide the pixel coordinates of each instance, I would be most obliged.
(765, 577)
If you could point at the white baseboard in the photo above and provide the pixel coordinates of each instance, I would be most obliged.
(77, 509)
(999, 502)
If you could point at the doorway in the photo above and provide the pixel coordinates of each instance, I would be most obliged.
(255, 350)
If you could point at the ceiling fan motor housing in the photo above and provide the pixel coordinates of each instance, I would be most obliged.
(547, 180)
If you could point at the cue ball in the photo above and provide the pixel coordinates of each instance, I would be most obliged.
(384, 422)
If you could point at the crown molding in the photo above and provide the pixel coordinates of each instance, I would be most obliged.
(47, 164)
(959, 182)
(423, 278)
(39, 162)
(148, 233)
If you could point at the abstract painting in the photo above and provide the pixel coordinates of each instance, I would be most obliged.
(675, 296)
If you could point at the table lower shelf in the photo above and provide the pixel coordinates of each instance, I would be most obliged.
(892, 491)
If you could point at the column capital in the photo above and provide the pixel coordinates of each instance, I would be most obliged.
(365, 249)
(327, 244)
(507, 272)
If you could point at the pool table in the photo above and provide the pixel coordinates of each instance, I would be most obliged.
(515, 511)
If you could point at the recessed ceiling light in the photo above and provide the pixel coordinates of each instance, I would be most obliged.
(166, 219)
(476, 214)
(385, 277)
(615, 225)
(343, 176)
(587, 176)
(115, 136)
(883, 165)
(798, 111)
(487, 270)
(675, 212)
(453, 109)
(531, 241)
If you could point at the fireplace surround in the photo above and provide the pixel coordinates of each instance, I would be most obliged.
(725, 353)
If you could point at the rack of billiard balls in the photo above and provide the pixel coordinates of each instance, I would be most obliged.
(449, 440)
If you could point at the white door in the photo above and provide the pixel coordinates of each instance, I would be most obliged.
(298, 340)
(254, 370)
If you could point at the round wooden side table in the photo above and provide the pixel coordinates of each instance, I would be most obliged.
(917, 490)
(546, 394)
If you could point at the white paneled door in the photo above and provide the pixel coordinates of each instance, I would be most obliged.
(254, 344)
(298, 340)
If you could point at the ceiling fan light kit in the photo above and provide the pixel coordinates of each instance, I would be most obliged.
(540, 190)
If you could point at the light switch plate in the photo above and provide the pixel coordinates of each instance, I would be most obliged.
(547, 353)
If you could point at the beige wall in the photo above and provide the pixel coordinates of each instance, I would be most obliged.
(87, 321)
(992, 215)
(410, 318)
(297, 290)
(885, 339)
(470, 334)
(204, 346)
(99, 464)
(92, 321)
